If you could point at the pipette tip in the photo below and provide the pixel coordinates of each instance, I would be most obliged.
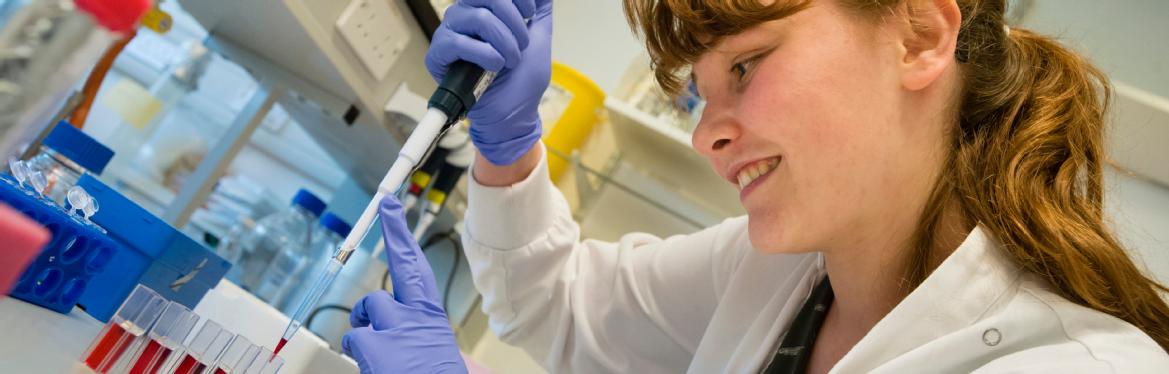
(279, 346)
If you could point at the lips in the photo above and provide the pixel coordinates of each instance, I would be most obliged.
(752, 171)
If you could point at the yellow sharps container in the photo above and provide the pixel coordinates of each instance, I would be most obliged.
(569, 111)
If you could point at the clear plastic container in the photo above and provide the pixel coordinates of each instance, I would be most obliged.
(237, 357)
(136, 314)
(65, 154)
(164, 339)
(285, 281)
(265, 363)
(229, 247)
(287, 229)
(204, 349)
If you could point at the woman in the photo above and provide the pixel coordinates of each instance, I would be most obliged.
(923, 187)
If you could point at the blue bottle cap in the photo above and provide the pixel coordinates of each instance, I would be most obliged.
(335, 224)
(70, 142)
(308, 201)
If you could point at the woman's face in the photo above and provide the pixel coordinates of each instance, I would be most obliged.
(810, 117)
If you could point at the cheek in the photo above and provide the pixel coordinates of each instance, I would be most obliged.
(827, 110)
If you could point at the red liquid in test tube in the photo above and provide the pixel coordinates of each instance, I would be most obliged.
(190, 365)
(109, 349)
(151, 359)
(220, 371)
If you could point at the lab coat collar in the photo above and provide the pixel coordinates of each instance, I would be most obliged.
(957, 294)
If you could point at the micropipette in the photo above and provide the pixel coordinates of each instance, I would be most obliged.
(462, 86)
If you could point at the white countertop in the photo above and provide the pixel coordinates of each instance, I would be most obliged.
(37, 340)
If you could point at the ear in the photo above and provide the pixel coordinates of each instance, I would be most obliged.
(928, 41)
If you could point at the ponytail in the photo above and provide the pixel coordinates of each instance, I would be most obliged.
(1028, 165)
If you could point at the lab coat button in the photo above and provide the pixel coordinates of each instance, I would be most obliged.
(991, 337)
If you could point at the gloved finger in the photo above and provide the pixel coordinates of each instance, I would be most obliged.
(480, 23)
(376, 309)
(507, 13)
(539, 7)
(354, 344)
(450, 46)
(410, 273)
(527, 8)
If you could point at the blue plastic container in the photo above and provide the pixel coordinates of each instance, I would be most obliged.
(66, 267)
(154, 254)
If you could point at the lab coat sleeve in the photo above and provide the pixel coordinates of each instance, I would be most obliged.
(639, 305)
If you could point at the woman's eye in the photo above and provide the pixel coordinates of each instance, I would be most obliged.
(742, 68)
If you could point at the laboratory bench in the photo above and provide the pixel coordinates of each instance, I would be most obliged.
(37, 340)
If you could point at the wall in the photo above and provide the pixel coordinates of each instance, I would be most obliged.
(592, 37)
(1126, 40)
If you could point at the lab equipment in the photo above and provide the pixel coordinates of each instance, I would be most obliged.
(80, 204)
(64, 269)
(54, 44)
(237, 356)
(137, 314)
(454, 138)
(228, 246)
(205, 348)
(66, 154)
(291, 228)
(463, 85)
(151, 252)
(408, 331)
(462, 82)
(452, 170)
(508, 124)
(331, 232)
(163, 339)
(266, 362)
(569, 109)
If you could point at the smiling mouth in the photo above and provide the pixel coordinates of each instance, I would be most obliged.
(755, 170)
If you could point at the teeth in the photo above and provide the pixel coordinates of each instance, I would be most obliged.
(751, 172)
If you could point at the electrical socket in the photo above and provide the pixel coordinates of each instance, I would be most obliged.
(376, 32)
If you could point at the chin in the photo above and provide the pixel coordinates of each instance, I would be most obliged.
(769, 234)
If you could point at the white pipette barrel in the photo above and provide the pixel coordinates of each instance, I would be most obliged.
(462, 86)
(412, 153)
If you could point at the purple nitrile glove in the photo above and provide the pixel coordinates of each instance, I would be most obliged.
(505, 122)
(406, 332)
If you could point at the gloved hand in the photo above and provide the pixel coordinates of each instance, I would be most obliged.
(406, 332)
(492, 34)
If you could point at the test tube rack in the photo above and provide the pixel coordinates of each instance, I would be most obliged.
(77, 252)
(152, 253)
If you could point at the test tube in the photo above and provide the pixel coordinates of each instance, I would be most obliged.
(136, 314)
(237, 357)
(167, 335)
(204, 349)
(265, 363)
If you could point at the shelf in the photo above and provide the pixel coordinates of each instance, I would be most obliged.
(663, 152)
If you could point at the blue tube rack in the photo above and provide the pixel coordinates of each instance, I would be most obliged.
(153, 254)
(77, 252)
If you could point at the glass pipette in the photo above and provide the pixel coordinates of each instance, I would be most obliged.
(462, 86)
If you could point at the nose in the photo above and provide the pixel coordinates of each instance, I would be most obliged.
(716, 131)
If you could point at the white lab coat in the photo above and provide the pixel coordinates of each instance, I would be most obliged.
(709, 303)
